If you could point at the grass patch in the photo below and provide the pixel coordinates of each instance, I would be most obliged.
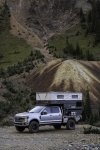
(13, 49)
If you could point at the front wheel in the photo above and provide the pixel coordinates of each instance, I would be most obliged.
(33, 127)
(70, 124)
(20, 129)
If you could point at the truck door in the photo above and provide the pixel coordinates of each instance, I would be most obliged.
(46, 115)
(56, 114)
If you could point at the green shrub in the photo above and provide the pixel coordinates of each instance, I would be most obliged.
(32, 96)
(9, 86)
(7, 95)
(91, 130)
(4, 108)
(97, 124)
(2, 73)
(7, 122)
(1, 56)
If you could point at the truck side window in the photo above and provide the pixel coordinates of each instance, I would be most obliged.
(54, 109)
(48, 109)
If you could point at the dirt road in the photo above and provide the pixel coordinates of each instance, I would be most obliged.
(48, 139)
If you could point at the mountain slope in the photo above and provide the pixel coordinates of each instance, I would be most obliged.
(47, 17)
(69, 75)
(37, 21)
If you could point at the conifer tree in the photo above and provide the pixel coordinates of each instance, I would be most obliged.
(89, 56)
(87, 106)
(82, 16)
(97, 32)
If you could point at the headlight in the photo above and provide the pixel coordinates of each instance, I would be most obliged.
(26, 119)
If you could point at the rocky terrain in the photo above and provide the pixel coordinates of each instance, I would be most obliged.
(48, 139)
(38, 20)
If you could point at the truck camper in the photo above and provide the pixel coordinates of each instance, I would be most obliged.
(52, 108)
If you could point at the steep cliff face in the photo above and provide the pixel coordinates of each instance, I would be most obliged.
(46, 17)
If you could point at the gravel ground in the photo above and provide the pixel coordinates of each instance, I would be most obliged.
(48, 139)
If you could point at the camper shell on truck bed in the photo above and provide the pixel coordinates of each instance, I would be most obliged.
(69, 101)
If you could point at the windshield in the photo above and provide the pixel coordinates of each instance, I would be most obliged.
(36, 109)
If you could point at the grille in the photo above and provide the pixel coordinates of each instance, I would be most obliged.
(19, 119)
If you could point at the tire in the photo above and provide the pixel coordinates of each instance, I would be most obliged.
(20, 129)
(70, 124)
(34, 127)
(57, 127)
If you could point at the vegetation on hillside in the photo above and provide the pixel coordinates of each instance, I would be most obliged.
(93, 21)
(32, 61)
(17, 99)
(91, 130)
(89, 116)
(12, 49)
(16, 57)
(83, 40)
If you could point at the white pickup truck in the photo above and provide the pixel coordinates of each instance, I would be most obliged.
(46, 115)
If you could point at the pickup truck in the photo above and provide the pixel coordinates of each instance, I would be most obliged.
(45, 115)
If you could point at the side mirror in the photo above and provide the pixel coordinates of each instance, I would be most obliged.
(44, 112)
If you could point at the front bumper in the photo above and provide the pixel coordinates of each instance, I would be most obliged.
(23, 124)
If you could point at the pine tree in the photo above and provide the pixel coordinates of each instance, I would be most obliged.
(68, 50)
(89, 17)
(78, 51)
(87, 106)
(97, 32)
(89, 56)
(94, 17)
(82, 16)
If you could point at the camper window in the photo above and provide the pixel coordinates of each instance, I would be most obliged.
(74, 96)
(60, 96)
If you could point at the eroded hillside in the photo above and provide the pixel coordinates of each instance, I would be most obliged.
(69, 75)
(44, 18)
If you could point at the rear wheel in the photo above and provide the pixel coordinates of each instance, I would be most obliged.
(20, 129)
(57, 127)
(34, 127)
(70, 124)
